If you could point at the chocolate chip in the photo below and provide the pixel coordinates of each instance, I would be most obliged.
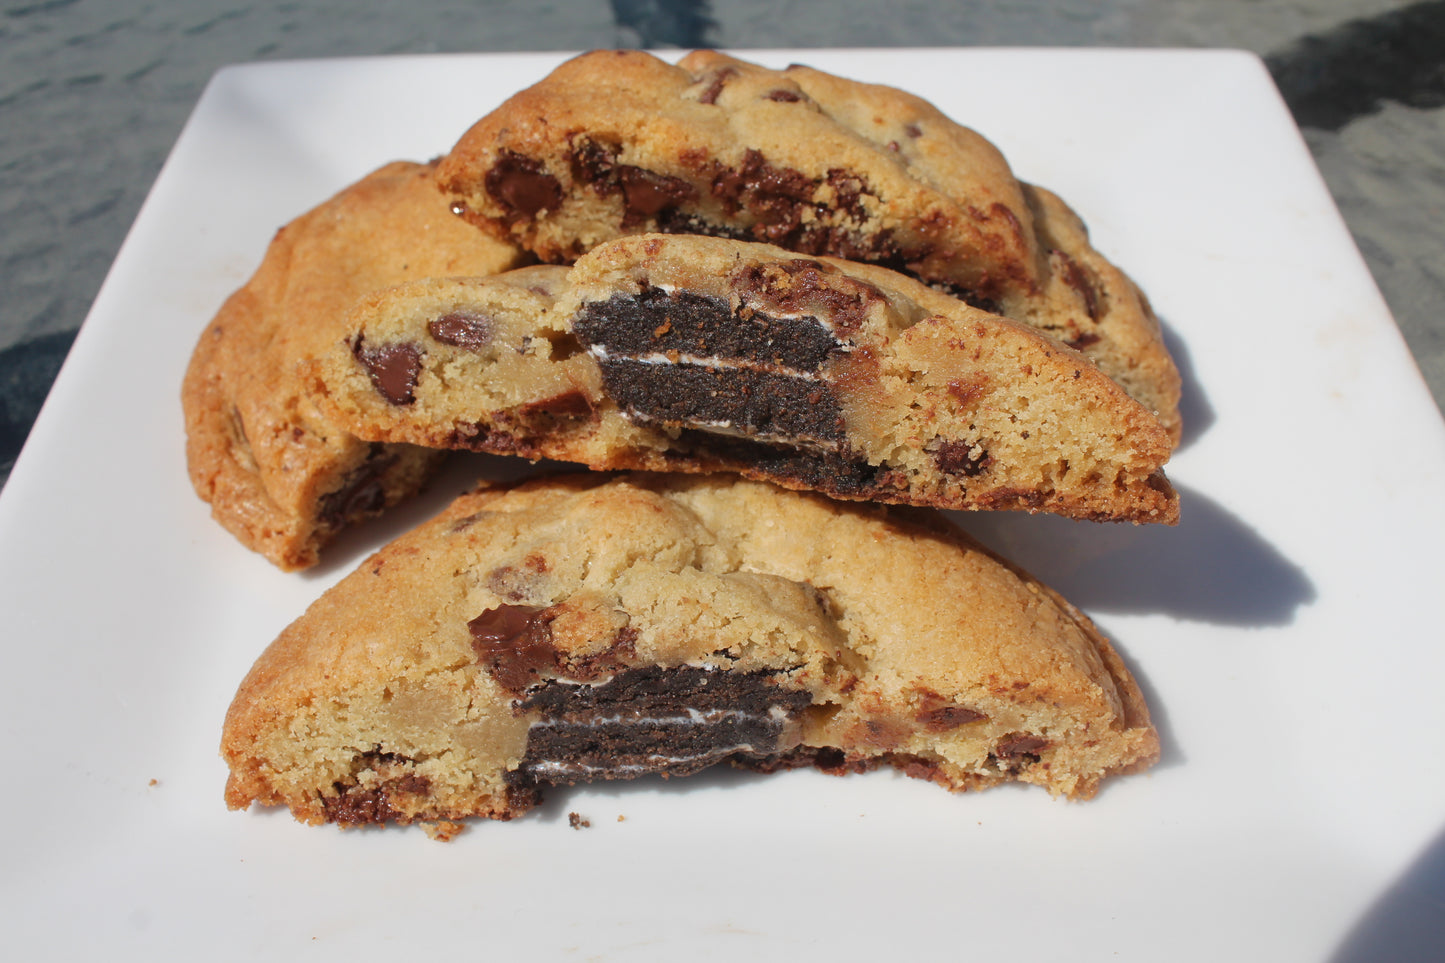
(463, 329)
(522, 185)
(785, 96)
(393, 368)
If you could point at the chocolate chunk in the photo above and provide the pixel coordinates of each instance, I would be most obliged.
(774, 195)
(738, 399)
(361, 493)
(522, 185)
(592, 163)
(968, 296)
(961, 458)
(355, 806)
(944, 718)
(1077, 278)
(659, 322)
(514, 642)
(655, 719)
(645, 193)
(393, 368)
(785, 96)
(462, 329)
(719, 80)
(568, 404)
(1019, 744)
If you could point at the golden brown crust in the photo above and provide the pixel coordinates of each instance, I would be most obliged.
(914, 647)
(276, 473)
(619, 142)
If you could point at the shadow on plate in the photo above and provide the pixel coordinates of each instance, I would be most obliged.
(1195, 411)
(1211, 567)
(1407, 923)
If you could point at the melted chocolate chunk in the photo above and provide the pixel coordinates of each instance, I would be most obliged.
(362, 493)
(785, 96)
(773, 195)
(960, 458)
(393, 368)
(354, 806)
(645, 193)
(462, 329)
(514, 642)
(658, 322)
(737, 399)
(653, 719)
(522, 186)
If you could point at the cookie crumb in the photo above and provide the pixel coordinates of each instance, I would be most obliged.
(621, 818)
(443, 830)
(576, 821)
(153, 783)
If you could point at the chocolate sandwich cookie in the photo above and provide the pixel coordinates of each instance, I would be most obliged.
(594, 627)
(620, 142)
(698, 354)
(277, 473)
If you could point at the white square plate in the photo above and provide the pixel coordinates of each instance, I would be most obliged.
(1287, 632)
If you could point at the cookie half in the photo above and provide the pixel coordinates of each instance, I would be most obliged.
(277, 473)
(620, 142)
(690, 353)
(595, 627)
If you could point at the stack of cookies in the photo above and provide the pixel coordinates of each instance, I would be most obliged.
(781, 317)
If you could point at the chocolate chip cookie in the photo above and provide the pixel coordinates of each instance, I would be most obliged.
(620, 142)
(594, 627)
(277, 473)
(692, 353)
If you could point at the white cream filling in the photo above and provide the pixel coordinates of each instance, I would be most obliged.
(601, 353)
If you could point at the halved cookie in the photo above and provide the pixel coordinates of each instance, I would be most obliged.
(620, 142)
(591, 627)
(690, 353)
(279, 475)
